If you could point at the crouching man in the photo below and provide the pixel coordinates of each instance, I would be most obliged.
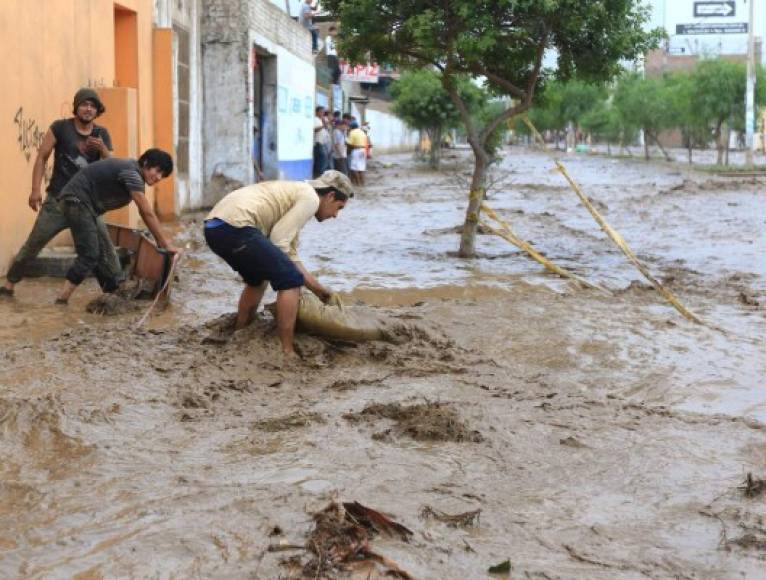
(255, 230)
(102, 186)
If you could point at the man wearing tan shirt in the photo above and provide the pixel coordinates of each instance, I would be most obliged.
(255, 230)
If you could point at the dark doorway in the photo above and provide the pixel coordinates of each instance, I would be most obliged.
(264, 143)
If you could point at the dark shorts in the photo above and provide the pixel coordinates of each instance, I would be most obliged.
(254, 256)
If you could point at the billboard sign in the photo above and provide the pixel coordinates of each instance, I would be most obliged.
(360, 73)
(719, 28)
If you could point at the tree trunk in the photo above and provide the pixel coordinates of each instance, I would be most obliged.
(719, 148)
(726, 144)
(690, 154)
(646, 146)
(608, 148)
(657, 142)
(436, 147)
(478, 191)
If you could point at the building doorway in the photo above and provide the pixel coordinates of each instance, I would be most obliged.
(264, 141)
(125, 48)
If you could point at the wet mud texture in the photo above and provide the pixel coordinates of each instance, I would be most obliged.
(421, 422)
(596, 437)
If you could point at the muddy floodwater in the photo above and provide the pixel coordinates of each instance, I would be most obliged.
(600, 436)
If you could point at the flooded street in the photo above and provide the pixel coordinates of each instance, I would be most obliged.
(600, 436)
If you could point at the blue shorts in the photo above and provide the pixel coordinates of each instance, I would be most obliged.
(253, 255)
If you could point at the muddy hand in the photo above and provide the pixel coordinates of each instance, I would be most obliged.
(335, 300)
(35, 200)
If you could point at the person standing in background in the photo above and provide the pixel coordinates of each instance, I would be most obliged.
(322, 142)
(368, 149)
(339, 149)
(357, 159)
(332, 54)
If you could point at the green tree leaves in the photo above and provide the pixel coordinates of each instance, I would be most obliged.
(502, 42)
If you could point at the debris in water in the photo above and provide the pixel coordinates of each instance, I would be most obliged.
(376, 521)
(463, 520)
(291, 421)
(749, 540)
(112, 305)
(422, 422)
(501, 568)
(572, 442)
(747, 299)
(753, 486)
(341, 540)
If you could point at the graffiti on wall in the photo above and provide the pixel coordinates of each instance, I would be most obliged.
(30, 133)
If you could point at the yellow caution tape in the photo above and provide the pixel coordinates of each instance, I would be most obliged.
(525, 246)
(614, 235)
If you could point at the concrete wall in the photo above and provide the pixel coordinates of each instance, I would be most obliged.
(187, 115)
(225, 62)
(49, 54)
(233, 31)
(390, 134)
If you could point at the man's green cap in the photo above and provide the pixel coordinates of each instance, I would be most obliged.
(86, 94)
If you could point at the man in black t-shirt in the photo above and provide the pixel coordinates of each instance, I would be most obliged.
(102, 186)
(75, 142)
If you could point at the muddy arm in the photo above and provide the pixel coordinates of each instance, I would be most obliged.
(322, 292)
(151, 221)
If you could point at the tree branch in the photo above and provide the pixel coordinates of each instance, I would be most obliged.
(480, 69)
(448, 82)
(422, 59)
(528, 95)
(538, 64)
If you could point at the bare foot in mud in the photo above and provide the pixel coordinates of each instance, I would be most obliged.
(289, 360)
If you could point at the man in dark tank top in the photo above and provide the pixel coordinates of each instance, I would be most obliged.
(75, 142)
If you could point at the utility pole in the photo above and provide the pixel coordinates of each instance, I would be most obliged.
(750, 92)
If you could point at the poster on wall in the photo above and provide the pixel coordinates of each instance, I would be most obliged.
(360, 73)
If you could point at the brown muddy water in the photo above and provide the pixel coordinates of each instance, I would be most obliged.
(601, 437)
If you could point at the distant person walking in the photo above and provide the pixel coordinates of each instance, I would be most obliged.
(75, 143)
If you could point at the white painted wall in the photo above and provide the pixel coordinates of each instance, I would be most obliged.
(389, 133)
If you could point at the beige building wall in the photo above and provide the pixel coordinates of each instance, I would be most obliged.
(50, 52)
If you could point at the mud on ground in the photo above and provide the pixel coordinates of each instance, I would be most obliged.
(599, 437)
